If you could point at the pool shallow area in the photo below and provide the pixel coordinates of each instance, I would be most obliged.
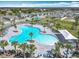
(36, 35)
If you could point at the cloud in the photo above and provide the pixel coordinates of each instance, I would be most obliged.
(54, 4)
(74, 4)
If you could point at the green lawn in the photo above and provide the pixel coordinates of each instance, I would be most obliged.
(62, 24)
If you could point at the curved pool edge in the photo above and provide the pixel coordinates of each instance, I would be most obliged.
(45, 34)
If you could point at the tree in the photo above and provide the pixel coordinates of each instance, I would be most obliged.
(77, 43)
(27, 48)
(69, 47)
(15, 43)
(3, 12)
(1, 28)
(23, 47)
(32, 22)
(78, 35)
(44, 25)
(14, 23)
(48, 21)
(31, 48)
(72, 27)
(58, 25)
(27, 21)
(36, 19)
(57, 48)
(31, 34)
(76, 22)
(3, 43)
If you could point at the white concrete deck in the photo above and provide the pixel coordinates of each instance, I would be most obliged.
(40, 48)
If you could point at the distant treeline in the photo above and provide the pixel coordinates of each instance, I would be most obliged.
(36, 9)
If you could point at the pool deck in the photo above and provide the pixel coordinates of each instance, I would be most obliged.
(10, 33)
(40, 47)
(11, 29)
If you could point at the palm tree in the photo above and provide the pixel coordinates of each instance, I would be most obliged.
(78, 34)
(32, 21)
(31, 34)
(31, 48)
(44, 25)
(23, 47)
(57, 48)
(48, 21)
(27, 21)
(78, 39)
(77, 43)
(15, 26)
(15, 43)
(68, 46)
(14, 23)
(3, 43)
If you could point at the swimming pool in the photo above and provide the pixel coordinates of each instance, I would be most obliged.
(36, 35)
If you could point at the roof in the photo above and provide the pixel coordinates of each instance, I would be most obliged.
(36, 18)
(67, 35)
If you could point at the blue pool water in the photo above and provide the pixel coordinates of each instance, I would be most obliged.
(24, 35)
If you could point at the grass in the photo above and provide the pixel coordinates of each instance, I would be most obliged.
(62, 24)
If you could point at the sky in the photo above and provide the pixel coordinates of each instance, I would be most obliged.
(39, 0)
(39, 3)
